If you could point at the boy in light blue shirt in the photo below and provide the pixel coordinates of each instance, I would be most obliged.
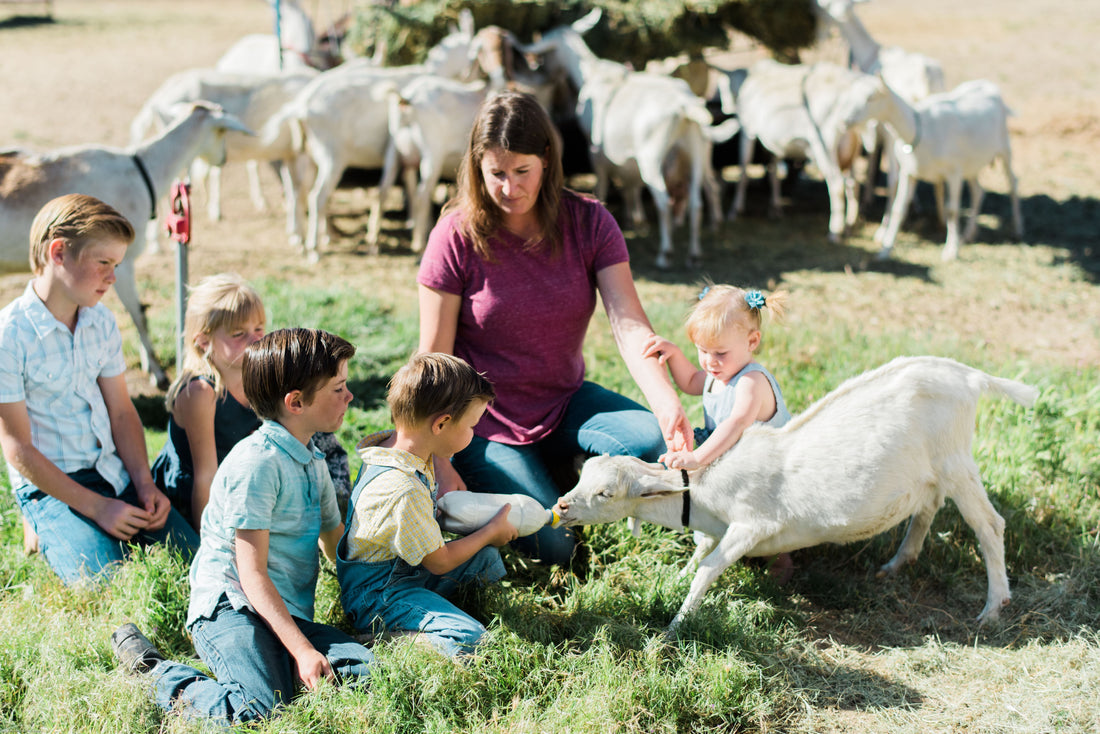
(254, 577)
(72, 439)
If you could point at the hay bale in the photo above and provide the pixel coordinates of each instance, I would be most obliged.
(630, 31)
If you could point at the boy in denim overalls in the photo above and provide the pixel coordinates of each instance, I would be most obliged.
(394, 567)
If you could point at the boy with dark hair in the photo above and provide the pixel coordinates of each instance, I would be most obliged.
(394, 567)
(254, 577)
(72, 439)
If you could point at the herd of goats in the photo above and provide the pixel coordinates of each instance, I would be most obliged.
(267, 101)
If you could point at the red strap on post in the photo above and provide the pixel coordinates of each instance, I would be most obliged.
(178, 221)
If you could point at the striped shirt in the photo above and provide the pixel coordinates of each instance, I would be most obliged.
(394, 515)
(55, 372)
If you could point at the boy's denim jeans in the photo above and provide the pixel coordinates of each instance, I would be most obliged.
(253, 672)
(597, 421)
(75, 547)
(396, 596)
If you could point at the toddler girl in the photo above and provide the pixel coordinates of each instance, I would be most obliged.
(208, 412)
(737, 391)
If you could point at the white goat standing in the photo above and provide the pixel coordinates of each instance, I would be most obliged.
(339, 120)
(113, 175)
(637, 125)
(887, 445)
(252, 99)
(260, 53)
(429, 129)
(912, 75)
(949, 138)
(803, 111)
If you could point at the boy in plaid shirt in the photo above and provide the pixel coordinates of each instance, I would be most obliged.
(394, 567)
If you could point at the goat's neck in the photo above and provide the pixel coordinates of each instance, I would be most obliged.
(903, 118)
(581, 63)
(864, 48)
(669, 511)
(166, 156)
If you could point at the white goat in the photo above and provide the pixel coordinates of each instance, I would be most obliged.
(429, 130)
(128, 179)
(263, 53)
(430, 121)
(252, 99)
(949, 138)
(637, 124)
(889, 444)
(803, 111)
(912, 75)
(338, 120)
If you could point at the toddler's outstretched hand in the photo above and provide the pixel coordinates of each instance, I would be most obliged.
(659, 347)
(680, 460)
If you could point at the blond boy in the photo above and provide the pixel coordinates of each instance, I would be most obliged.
(395, 568)
(254, 578)
(73, 442)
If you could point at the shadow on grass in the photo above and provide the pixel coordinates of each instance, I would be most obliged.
(23, 21)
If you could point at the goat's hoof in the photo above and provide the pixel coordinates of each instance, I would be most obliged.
(312, 258)
(662, 262)
(694, 262)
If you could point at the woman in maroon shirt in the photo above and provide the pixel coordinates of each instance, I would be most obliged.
(508, 282)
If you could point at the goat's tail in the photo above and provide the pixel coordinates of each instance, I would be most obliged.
(278, 124)
(1023, 394)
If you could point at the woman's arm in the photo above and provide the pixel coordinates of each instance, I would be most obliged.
(687, 376)
(251, 548)
(438, 320)
(194, 410)
(631, 328)
(438, 326)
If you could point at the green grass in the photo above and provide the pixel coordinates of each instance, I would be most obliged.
(585, 653)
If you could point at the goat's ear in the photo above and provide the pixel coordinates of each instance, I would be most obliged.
(653, 487)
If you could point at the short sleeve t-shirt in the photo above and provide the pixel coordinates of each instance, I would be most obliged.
(269, 481)
(524, 314)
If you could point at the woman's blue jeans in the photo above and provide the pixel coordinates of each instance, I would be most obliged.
(597, 421)
(253, 672)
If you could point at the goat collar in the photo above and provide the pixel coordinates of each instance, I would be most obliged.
(148, 185)
(685, 514)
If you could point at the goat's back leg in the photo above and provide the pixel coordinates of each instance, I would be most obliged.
(911, 544)
(977, 193)
(1017, 218)
(969, 495)
(746, 145)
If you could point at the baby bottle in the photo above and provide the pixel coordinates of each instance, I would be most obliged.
(464, 512)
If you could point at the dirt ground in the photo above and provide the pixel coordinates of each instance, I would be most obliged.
(82, 79)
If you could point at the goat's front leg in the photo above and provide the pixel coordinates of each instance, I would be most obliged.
(737, 541)
(704, 544)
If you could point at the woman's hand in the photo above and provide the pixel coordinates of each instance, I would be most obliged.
(675, 426)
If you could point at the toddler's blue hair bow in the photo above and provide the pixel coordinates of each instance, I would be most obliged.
(703, 293)
(755, 299)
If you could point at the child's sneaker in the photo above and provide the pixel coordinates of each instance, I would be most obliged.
(134, 650)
